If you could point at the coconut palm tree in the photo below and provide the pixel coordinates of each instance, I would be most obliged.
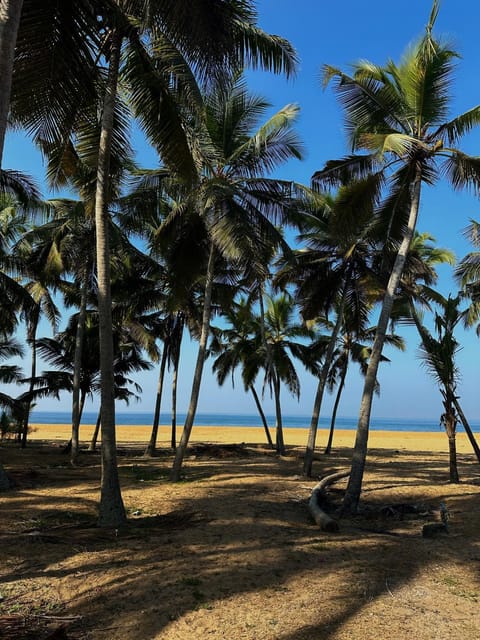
(438, 355)
(398, 114)
(240, 345)
(334, 272)
(234, 201)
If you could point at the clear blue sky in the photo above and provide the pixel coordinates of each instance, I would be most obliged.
(340, 33)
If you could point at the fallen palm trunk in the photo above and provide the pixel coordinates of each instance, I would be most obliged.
(323, 520)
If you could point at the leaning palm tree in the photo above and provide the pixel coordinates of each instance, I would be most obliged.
(399, 115)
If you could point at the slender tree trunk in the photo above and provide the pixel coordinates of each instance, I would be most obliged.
(10, 12)
(280, 444)
(77, 371)
(33, 373)
(328, 448)
(197, 378)
(322, 383)
(93, 442)
(467, 428)
(452, 458)
(176, 363)
(354, 487)
(262, 416)
(152, 445)
(5, 483)
(111, 509)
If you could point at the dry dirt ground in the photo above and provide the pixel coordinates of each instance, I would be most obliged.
(231, 552)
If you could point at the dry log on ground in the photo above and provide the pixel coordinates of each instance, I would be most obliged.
(324, 521)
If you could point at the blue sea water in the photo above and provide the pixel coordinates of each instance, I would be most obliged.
(244, 420)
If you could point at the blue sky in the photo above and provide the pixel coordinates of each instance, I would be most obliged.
(338, 34)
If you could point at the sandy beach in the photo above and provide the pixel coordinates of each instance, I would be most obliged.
(401, 440)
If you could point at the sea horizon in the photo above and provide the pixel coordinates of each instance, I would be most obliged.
(251, 420)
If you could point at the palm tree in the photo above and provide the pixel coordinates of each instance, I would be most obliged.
(240, 345)
(284, 338)
(8, 374)
(335, 271)
(397, 113)
(438, 355)
(206, 38)
(235, 202)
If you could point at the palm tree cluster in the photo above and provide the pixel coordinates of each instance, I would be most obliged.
(142, 255)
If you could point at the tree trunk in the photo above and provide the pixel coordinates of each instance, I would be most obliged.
(33, 373)
(10, 12)
(93, 442)
(197, 378)
(152, 445)
(328, 448)
(5, 483)
(280, 444)
(467, 428)
(354, 487)
(111, 509)
(452, 458)
(324, 521)
(77, 371)
(262, 416)
(176, 362)
(322, 383)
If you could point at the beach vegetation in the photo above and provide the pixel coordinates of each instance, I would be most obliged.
(399, 115)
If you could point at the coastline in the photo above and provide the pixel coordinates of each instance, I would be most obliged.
(397, 440)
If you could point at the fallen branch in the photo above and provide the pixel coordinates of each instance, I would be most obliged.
(324, 521)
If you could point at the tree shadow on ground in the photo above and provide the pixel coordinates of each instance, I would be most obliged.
(231, 551)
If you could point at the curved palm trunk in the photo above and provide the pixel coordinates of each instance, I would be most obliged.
(10, 12)
(467, 428)
(354, 487)
(152, 445)
(322, 383)
(111, 510)
(77, 406)
(93, 442)
(33, 373)
(341, 385)
(197, 378)
(279, 441)
(262, 416)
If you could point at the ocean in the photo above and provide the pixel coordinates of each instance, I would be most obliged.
(244, 420)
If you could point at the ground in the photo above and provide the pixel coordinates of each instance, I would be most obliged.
(231, 551)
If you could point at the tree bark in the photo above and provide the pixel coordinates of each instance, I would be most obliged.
(28, 405)
(77, 371)
(354, 487)
(341, 385)
(176, 364)
(452, 459)
(317, 405)
(10, 12)
(93, 442)
(279, 441)
(197, 378)
(152, 445)
(262, 416)
(324, 521)
(111, 509)
(467, 428)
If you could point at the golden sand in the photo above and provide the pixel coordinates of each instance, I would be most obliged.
(401, 440)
